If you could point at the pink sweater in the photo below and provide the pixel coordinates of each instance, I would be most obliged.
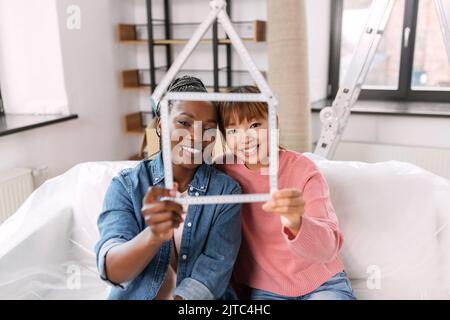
(269, 259)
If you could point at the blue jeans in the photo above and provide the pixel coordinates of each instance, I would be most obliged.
(337, 288)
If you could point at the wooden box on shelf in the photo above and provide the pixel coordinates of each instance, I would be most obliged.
(131, 79)
(127, 32)
(137, 122)
(133, 123)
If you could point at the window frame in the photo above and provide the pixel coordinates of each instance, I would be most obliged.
(2, 108)
(404, 91)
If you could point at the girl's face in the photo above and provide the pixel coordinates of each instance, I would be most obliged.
(248, 140)
(193, 127)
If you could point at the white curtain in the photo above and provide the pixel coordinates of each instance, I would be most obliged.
(31, 68)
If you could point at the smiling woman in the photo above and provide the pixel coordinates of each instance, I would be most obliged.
(188, 120)
(146, 250)
(193, 125)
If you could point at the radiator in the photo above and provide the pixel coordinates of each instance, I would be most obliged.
(432, 159)
(15, 187)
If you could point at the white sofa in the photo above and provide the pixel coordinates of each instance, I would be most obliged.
(394, 217)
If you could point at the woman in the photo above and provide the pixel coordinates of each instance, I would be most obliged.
(167, 251)
(290, 248)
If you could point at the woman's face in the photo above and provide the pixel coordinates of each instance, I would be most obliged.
(193, 128)
(248, 140)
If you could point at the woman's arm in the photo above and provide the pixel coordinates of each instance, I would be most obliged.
(309, 222)
(126, 261)
(124, 250)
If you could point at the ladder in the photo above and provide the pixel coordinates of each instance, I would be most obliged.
(334, 119)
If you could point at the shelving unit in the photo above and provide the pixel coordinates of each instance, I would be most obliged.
(165, 33)
(139, 79)
(136, 34)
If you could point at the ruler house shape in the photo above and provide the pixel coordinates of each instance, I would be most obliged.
(162, 97)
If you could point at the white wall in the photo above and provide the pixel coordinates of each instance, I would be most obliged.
(394, 130)
(92, 61)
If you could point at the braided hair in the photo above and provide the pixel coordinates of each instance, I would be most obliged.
(182, 84)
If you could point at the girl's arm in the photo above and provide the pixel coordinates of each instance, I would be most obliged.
(309, 222)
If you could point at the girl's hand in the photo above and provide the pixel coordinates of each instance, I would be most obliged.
(289, 204)
(161, 216)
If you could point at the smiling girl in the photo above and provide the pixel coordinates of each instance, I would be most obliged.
(290, 244)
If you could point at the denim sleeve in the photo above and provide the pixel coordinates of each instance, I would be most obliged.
(101, 260)
(116, 223)
(212, 271)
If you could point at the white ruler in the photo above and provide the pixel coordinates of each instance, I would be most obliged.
(235, 198)
(161, 96)
(204, 96)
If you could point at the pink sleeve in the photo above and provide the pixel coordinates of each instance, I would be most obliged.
(318, 239)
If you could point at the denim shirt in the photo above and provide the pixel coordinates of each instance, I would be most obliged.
(209, 245)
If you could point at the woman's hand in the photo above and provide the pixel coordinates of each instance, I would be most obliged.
(289, 205)
(161, 216)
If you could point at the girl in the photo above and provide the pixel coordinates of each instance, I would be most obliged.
(162, 252)
(290, 244)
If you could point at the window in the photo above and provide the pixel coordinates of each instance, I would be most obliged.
(2, 110)
(431, 70)
(411, 62)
